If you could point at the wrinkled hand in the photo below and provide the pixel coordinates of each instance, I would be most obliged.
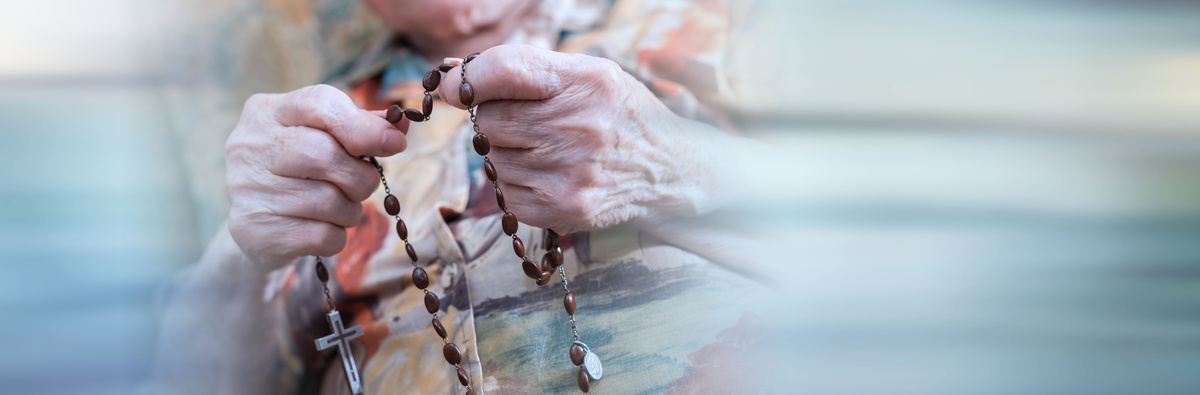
(294, 179)
(578, 144)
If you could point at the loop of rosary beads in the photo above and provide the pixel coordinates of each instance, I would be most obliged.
(430, 83)
(589, 364)
(420, 278)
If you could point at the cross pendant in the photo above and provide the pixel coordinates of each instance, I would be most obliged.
(340, 338)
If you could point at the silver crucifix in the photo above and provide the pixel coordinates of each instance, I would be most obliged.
(340, 338)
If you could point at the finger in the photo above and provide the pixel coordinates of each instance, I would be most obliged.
(310, 199)
(527, 204)
(402, 124)
(290, 237)
(517, 166)
(511, 72)
(512, 123)
(308, 153)
(302, 236)
(326, 108)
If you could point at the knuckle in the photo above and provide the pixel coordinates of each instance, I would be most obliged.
(355, 215)
(254, 103)
(603, 70)
(364, 182)
(328, 200)
(328, 239)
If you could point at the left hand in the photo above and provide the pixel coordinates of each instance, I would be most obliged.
(578, 144)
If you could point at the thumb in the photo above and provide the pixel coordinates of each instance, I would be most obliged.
(328, 109)
(513, 72)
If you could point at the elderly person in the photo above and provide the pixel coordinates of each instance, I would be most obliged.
(621, 157)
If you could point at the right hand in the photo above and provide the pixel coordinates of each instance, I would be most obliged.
(293, 173)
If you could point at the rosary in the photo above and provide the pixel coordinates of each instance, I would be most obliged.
(588, 363)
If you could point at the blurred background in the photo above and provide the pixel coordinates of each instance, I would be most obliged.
(999, 196)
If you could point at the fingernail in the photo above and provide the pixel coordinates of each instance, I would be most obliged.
(393, 142)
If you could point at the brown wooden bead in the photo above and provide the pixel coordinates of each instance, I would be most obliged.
(489, 169)
(466, 94)
(545, 278)
(412, 252)
(453, 356)
(470, 57)
(518, 247)
(550, 240)
(322, 272)
(420, 278)
(480, 141)
(394, 113)
(402, 230)
(583, 381)
(500, 199)
(546, 264)
(469, 392)
(556, 256)
(577, 354)
(569, 302)
(427, 104)
(391, 204)
(509, 223)
(432, 304)
(431, 80)
(444, 67)
(462, 376)
(437, 327)
(414, 115)
(531, 270)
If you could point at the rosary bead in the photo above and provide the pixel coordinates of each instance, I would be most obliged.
(469, 392)
(427, 104)
(500, 199)
(509, 224)
(462, 376)
(432, 304)
(489, 169)
(470, 57)
(480, 141)
(402, 230)
(546, 265)
(437, 327)
(453, 356)
(414, 115)
(569, 302)
(322, 273)
(518, 246)
(550, 240)
(394, 113)
(531, 270)
(466, 94)
(556, 256)
(545, 278)
(431, 80)
(444, 67)
(420, 278)
(577, 354)
(391, 204)
(583, 381)
(412, 252)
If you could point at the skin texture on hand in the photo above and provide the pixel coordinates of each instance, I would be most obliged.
(578, 144)
(294, 175)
